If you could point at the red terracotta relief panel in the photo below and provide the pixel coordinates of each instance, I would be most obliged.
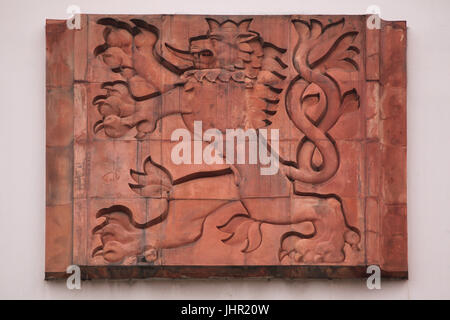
(218, 146)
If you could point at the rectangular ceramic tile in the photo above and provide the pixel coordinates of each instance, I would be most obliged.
(226, 146)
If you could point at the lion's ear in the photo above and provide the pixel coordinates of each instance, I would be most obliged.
(246, 37)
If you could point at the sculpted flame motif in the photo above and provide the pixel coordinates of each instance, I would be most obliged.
(229, 57)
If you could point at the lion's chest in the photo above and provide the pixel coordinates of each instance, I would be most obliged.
(217, 104)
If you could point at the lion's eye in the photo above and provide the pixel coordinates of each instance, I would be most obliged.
(206, 53)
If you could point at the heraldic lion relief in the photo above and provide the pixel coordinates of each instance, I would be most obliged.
(227, 141)
(229, 77)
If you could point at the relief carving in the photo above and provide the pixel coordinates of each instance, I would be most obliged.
(230, 70)
(226, 146)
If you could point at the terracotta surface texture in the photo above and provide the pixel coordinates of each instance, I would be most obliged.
(321, 98)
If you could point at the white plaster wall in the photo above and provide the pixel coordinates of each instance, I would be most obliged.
(22, 154)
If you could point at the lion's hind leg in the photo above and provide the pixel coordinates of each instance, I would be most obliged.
(331, 232)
